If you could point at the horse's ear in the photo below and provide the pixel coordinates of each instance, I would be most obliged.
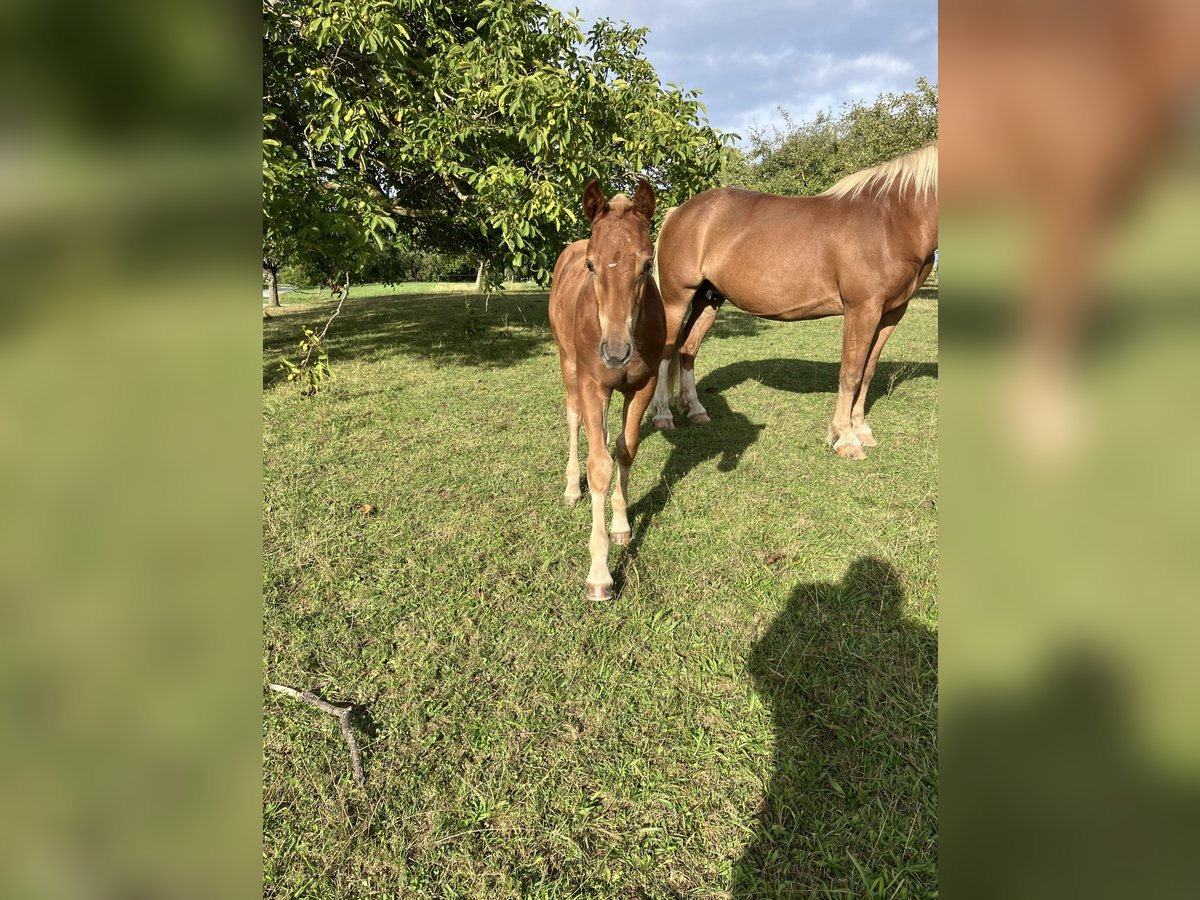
(594, 200)
(643, 199)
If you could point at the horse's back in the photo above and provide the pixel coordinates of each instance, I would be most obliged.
(777, 257)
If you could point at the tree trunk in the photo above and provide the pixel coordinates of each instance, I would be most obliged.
(479, 278)
(272, 274)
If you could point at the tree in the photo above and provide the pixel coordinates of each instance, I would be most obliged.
(467, 128)
(806, 159)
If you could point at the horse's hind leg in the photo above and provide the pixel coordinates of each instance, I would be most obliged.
(858, 417)
(572, 492)
(858, 334)
(688, 397)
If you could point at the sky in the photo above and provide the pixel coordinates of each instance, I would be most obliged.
(751, 57)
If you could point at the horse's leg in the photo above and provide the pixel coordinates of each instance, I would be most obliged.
(627, 446)
(1048, 417)
(572, 492)
(593, 403)
(677, 301)
(858, 332)
(660, 407)
(670, 376)
(689, 400)
(858, 417)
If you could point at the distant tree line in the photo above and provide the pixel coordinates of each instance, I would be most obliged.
(806, 158)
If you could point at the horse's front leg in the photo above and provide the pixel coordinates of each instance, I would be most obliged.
(858, 333)
(627, 446)
(594, 406)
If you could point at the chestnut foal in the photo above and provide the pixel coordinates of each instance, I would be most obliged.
(607, 317)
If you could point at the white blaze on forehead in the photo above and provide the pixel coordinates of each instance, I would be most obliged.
(612, 265)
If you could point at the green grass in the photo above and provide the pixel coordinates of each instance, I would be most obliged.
(753, 715)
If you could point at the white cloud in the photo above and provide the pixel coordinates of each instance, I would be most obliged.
(827, 67)
(750, 58)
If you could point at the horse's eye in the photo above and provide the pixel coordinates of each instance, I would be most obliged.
(647, 267)
(591, 267)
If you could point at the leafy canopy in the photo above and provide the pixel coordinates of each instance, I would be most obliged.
(464, 127)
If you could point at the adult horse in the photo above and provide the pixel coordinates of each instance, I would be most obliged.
(607, 318)
(859, 250)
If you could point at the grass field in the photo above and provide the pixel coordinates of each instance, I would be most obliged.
(753, 715)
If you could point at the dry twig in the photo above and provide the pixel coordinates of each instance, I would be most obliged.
(342, 714)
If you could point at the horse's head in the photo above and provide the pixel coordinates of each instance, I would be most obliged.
(619, 258)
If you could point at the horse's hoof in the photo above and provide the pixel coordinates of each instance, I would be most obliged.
(850, 451)
(664, 424)
(571, 499)
(603, 592)
(619, 537)
(867, 440)
(699, 418)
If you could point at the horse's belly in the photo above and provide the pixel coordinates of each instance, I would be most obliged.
(786, 308)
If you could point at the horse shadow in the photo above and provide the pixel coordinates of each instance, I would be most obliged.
(726, 438)
(850, 684)
(804, 376)
(730, 433)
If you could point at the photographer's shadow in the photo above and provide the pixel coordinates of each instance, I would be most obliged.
(850, 683)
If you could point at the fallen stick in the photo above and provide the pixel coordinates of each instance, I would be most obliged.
(342, 714)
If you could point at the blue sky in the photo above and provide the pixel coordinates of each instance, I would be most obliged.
(754, 56)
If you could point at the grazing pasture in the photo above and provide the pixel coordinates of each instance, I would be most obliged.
(752, 715)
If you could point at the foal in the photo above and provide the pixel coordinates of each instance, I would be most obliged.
(607, 317)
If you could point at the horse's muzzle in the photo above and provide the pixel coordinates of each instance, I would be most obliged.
(615, 354)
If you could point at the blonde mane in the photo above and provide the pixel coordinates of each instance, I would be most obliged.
(918, 169)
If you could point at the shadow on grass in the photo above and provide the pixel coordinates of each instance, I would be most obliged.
(730, 433)
(802, 376)
(726, 438)
(1053, 788)
(446, 329)
(851, 807)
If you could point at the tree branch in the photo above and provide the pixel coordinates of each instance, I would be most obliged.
(406, 212)
(342, 714)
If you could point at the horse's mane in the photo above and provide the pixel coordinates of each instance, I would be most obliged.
(918, 169)
(619, 204)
